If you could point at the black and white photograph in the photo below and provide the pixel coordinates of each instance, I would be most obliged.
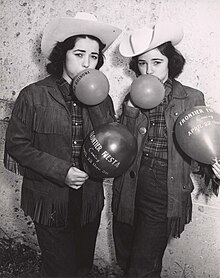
(110, 139)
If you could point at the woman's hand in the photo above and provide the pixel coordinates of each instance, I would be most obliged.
(75, 178)
(216, 168)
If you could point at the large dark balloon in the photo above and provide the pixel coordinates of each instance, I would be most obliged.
(108, 151)
(91, 86)
(198, 133)
(147, 91)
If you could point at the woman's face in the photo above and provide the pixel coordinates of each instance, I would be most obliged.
(155, 63)
(83, 55)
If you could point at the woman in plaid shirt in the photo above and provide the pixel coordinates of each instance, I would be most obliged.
(44, 139)
(152, 200)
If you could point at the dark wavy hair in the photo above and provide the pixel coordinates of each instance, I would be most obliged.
(58, 54)
(176, 61)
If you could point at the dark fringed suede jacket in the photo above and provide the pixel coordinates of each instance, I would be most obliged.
(38, 146)
(180, 166)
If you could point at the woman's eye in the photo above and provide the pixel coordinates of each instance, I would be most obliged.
(94, 57)
(78, 54)
(156, 63)
(141, 63)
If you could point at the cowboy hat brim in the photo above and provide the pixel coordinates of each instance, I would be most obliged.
(60, 29)
(147, 38)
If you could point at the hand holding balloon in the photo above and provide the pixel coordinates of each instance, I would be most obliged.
(90, 86)
(216, 167)
(147, 91)
(197, 132)
(75, 178)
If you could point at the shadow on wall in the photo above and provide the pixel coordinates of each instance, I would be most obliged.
(118, 61)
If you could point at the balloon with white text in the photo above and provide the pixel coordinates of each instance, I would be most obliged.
(198, 133)
(108, 151)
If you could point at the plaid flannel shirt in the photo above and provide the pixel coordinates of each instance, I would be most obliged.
(75, 110)
(156, 142)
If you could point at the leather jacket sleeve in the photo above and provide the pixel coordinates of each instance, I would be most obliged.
(19, 143)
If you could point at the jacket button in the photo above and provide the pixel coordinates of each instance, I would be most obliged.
(176, 113)
(143, 130)
(184, 187)
(132, 174)
(172, 178)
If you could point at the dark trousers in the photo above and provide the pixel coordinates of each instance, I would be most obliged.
(68, 251)
(140, 248)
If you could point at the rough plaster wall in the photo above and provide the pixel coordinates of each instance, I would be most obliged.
(197, 253)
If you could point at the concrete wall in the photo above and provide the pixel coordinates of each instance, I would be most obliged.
(197, 253)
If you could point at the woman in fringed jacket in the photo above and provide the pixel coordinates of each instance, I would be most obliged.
(152, 200)
(43, 143)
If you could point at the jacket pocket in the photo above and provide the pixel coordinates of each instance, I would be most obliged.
(50, 121)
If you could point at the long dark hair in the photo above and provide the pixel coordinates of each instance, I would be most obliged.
(58, 54)
(176, 61)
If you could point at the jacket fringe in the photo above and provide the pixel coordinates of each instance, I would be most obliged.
(50, 206)
(176, 224)
(23, 110)
(46, 211)
(11, 165)
(35, 118)
(92, 205)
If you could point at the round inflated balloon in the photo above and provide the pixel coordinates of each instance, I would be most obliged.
(147, 91)
(198, 133)
(108, 151)
(90, 86)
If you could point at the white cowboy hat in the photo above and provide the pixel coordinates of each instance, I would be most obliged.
(83, 23)
(147, 38)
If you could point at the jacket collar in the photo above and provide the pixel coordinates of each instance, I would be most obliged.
(179, 90)
(51, 83)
